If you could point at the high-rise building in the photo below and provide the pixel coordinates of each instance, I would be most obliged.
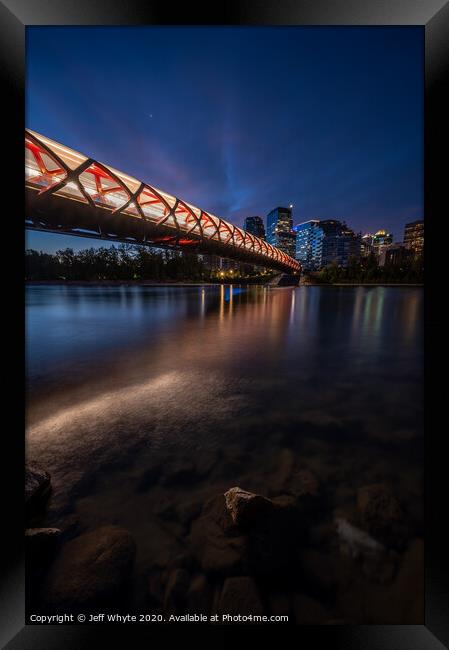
(381, 239)
(414, 237)
(394, 254)
(340, 243)
(321, 242)
(367, 244)
(309, 241)
(280, 230)
(255, 226)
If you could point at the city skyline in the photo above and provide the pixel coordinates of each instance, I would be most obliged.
(269, 117)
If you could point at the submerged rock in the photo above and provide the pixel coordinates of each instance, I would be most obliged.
(37, 484)
(356, 542)
(243, 531)
(91, 569)
(218, 545)
(240, 595)
(380, 514)
(246, 508)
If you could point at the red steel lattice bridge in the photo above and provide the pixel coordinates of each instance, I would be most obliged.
(69, 193)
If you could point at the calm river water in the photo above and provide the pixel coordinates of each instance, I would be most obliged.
(216, 383)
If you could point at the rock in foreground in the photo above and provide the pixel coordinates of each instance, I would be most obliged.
(218, 545)
(37, 484)
(91, 569)
(380, 514)
(241, 532)
(41, 543)
(246, 509)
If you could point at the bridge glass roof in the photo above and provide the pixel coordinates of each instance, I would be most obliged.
(52, 168)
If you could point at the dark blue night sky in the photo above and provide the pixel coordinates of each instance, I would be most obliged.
(239, 120)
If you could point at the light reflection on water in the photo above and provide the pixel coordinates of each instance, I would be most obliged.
(117, 374)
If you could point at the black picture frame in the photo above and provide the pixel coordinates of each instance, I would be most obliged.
(433, 16)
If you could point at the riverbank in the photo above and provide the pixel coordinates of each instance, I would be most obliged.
(165, 283)
(362, 284)
(132, 283)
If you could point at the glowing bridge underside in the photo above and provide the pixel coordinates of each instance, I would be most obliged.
(69, 193)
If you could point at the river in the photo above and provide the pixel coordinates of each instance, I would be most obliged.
(215, 384)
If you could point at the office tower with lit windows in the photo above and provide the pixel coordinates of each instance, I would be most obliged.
(320, 242)
(366, 245)
(339, 243)
(255, 226)
(280, 230)
(381, 240)
(309, 242)
(414, 237)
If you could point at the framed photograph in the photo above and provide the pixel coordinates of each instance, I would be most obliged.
(226, 339)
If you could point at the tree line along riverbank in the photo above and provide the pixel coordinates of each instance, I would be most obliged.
(134, 264)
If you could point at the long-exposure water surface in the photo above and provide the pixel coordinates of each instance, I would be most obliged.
(218, 384)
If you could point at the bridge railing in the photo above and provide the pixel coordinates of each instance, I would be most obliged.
(53, 170)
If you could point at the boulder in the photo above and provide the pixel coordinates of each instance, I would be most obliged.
(246, 508)
(285, 510)
(240, 595)
(274, 535)
(243, 531)
(91, 569)
(380, 514)
(218, 545)
(41, 543)
(37, 485)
